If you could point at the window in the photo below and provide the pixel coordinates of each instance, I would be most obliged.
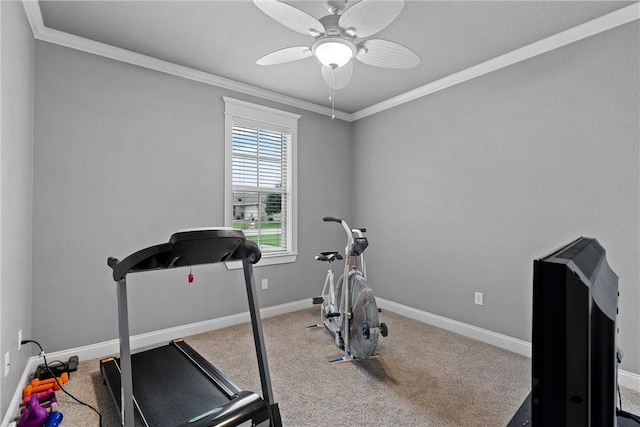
(260, 177)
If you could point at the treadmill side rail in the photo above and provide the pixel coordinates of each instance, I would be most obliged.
(243, 408)
(206, 367)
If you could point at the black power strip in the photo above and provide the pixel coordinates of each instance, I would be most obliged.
(57, 368)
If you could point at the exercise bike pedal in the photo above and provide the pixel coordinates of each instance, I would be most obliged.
(332, 315)
(318, 300)
(384, 330)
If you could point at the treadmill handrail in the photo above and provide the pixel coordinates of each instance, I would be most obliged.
(138, 261)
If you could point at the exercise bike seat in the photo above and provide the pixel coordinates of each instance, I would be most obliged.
(328, 256)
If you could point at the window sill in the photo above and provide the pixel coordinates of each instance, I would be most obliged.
(264, 261)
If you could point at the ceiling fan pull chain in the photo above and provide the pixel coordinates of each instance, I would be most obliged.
(333, 94)
(333, 106)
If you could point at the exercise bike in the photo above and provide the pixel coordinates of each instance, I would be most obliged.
(350, 312)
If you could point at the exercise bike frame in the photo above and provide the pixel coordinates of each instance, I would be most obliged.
(355, 248)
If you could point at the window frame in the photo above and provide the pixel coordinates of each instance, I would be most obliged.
(247, 113)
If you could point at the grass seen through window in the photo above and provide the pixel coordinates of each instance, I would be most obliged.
(270, 239)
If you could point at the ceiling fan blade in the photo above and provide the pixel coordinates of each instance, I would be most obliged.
(386, 54)
(337, 78)
(288, 54)
(370, 16)
(291, 17)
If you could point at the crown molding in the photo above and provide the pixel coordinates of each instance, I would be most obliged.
(41, 32)
(588, 29)
(606, 22)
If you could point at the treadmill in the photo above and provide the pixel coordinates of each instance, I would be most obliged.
(173, 385)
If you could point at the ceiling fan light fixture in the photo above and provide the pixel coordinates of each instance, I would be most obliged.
(333, 52)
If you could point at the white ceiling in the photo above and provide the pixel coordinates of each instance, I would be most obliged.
(225, 38)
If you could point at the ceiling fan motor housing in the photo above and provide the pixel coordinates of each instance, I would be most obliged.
(331, 25)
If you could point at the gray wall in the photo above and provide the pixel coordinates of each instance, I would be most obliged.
(462, 189)
(17, 182)
(125, 156)
(503, 168)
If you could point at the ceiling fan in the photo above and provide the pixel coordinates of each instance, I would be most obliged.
(341, 36)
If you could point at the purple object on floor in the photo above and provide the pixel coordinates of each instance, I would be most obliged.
(35, 415)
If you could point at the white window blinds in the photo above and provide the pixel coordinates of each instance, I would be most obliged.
(261, 190)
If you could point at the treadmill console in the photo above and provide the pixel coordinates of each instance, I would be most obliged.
(189, 247)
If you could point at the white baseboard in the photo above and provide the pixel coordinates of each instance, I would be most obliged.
(625, 378)
(629, 380)
(484, 335)
(111, 347)
(107, 348)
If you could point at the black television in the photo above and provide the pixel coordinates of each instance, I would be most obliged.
(574, 354)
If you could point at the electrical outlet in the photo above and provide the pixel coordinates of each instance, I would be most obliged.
(19, 339)
(478, 298)
(265, 283)
(7, 362)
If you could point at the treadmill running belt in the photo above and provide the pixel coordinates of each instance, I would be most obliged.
(170, 389)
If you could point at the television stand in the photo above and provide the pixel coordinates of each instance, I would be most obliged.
(522, 417)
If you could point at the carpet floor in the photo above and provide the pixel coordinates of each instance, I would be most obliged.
(424, 376)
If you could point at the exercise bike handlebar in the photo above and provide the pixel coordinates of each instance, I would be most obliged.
(342, 221)
(332, 219)
(346, 229)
